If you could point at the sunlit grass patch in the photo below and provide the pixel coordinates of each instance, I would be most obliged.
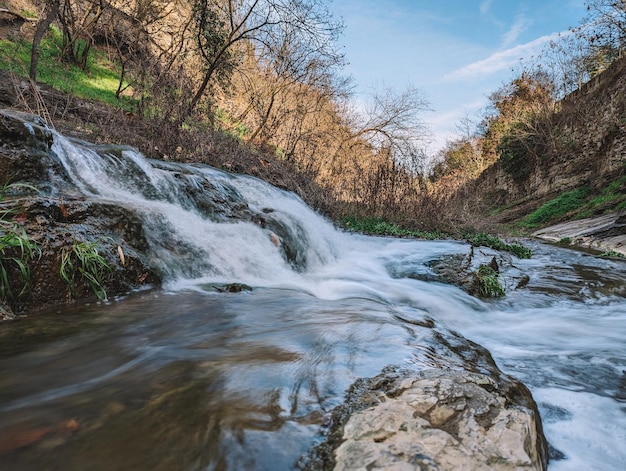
(98, 82)
(559, 206)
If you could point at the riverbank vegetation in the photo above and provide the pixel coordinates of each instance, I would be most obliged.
(259, 88)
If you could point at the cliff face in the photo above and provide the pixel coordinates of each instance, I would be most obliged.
(588, 149)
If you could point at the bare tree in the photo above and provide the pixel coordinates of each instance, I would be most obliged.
(391, 120)
(223, 26)
(605, 26)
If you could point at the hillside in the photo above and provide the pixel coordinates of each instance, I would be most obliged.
(589, 153)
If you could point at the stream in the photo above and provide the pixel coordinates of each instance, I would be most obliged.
(236, 362)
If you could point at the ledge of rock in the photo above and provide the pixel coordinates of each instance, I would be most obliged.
(604, 233)
(437, 419)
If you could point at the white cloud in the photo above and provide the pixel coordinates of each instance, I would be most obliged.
(500, 60)
(484, 6)
(443, 125)
(520, 25)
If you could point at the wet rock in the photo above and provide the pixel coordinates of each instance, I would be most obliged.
(25, 143)
(6, 313)
(227, 287)
(463, 270)
(437, 419)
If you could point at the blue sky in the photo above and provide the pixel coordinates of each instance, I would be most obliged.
(456, 51)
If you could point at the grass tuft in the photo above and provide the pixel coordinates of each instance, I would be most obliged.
(488, 284)
(16, 249)
(83, 262)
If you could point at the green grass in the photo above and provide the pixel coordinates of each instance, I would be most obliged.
(488, 284)
(378, 226)
(611, 254)
(614, 194)
(478, 239)
(579, 201)
(17, 250)
(83, 262)
(557, 207)
(98, 82)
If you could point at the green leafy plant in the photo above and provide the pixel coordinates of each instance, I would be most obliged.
(83, 262)
(17, 250)
(488, 284)
(478, 239)
(378, 226)
(611, 254)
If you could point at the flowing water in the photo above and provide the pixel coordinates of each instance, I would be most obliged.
(195, 376)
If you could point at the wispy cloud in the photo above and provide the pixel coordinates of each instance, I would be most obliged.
(500, 60)
(484, 6)
(520, 25)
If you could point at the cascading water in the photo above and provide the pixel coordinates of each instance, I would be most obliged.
(189, 378)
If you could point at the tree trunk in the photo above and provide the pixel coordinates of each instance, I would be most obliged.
(50, 13)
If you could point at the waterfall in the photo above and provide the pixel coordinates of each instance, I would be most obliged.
(203, 224)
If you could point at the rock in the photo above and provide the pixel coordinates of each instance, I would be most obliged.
(437, 419)
(463, 270)
(6, 313)
(603, 233)
(46, 207)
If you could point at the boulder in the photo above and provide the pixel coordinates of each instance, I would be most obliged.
(435, 419)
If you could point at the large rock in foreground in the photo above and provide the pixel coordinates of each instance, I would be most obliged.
(436, 419)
